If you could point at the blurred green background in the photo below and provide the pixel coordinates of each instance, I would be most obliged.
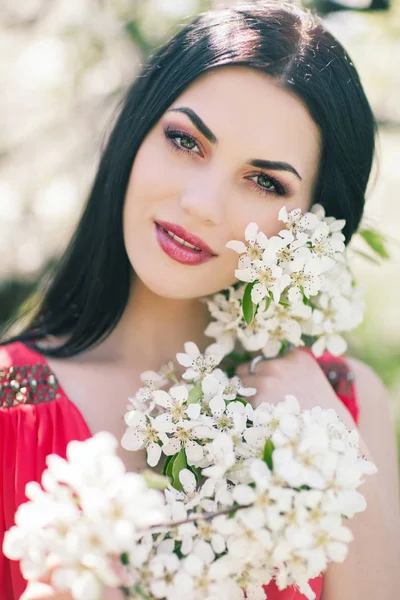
(64, 68)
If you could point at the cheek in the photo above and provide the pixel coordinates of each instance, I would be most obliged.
(264, 213)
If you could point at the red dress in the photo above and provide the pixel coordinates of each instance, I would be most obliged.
(37, 419)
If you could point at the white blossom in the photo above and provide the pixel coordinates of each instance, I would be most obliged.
(257, 242)
(197, 364)
(147, 432)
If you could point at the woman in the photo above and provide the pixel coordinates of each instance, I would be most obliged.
(244, 110)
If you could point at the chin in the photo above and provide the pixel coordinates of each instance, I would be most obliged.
(168, 283)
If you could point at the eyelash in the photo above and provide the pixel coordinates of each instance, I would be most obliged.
(172, 134)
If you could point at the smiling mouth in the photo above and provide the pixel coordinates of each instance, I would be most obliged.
(180, 240)
(178, 248)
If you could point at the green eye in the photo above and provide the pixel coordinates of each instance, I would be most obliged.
(189, 140)
(187, 143)
(269, 182)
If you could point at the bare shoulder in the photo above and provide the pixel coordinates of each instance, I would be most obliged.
(373, 399)
(377, 429)
(367, 381)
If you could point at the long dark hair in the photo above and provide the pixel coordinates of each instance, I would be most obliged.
(86, 295)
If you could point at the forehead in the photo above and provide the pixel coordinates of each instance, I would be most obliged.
(251, 109)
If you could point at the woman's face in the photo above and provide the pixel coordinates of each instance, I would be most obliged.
(193, 170)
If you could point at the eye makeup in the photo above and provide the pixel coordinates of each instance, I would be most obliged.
(172, 134)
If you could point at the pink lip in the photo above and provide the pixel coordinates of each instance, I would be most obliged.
(176, 251)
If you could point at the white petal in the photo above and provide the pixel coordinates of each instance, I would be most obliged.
(251, 232)
(337, 552)
(172, 447)
(179, 393)
(162, 398)
(188, 480)
(193, 410)
(258, 292)
(184, 359)
(164, 424)
(237, 246)
(295, 295)
(135, 418)
(283, 215)
(150, 376)
(218, 543)
(190, 374)
(193, 565)
(248, 275)
(153, 454)
(262, 239)
(217, 405)
(210, 384)
(271, 348)
(132, 439)
(276, 292)
(158, 588)
(194, 451)
(87, 586)
(243, 494)
(192, 349)
(319, 346)
(204, 551)
(337, 225)
(336, 345)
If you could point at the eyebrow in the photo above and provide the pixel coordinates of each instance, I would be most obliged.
(208, 134)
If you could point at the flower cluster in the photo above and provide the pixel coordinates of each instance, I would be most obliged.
(87, 516)
(294, 288)
(258, 494)
(169, 422)
(262, 499)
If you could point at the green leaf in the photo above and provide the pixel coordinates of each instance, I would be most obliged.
(155, 481)
(375, 241)
(367, 256)
(195, 394)
(168, 467)
(177, 549)
(238, 399)
(137, 591)
(195, 471)
(284, 303)
(232, 513)
(179, 464)
(238, 358)
(248, 307)
(268, 301)
(268, 450)
(284, 348)
(165, 467)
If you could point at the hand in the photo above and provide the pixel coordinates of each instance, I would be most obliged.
(38, 590)
(296, 373)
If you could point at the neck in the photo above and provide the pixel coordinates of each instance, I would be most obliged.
(153, 329)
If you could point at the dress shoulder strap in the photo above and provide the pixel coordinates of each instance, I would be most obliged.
(341, 377)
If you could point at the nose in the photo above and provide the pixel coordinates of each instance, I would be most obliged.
(203, 200)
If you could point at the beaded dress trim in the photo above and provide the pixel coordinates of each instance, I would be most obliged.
(339, 376)
(27, 384)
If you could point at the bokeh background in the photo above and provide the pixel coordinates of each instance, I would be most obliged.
(64, 67)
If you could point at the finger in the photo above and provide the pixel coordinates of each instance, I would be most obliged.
(263, 367)
(46, 578)
(113, 594)
(37, 590)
